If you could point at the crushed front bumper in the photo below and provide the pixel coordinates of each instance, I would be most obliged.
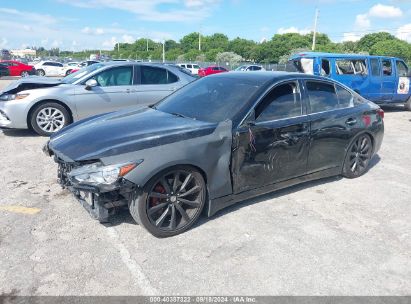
(100, 202)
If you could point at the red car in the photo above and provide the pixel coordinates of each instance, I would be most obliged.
(17, 68)
(211, 70)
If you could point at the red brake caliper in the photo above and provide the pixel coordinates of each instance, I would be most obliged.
(155, 200)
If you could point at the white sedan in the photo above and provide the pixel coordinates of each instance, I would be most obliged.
(52, 68)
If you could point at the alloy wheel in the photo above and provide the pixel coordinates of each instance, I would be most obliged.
(359, 155)
(175, 200)
(24, 74)
(50, 119)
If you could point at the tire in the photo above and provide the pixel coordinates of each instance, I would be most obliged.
(358, 156)
(41, 72)
(48, 118)
(165, 198)
(407, 105)
(68, 72)
(24, 74)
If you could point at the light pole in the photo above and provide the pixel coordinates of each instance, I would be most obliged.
(315, 27)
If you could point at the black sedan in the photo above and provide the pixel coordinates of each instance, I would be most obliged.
(216, 141)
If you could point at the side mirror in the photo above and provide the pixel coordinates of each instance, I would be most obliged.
(91, 83)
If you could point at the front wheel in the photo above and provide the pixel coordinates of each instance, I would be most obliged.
(41, 72)
(171, 202)
(24, 74)
(358, 157)
(49, 118)
(68, 72)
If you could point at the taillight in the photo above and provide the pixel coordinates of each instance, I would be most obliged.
(380, 113)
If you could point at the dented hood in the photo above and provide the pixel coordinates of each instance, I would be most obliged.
(29, 83)
(122, 132)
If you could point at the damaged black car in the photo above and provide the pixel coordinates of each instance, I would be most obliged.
(217, 141)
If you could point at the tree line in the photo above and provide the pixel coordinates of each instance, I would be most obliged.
(276, 50)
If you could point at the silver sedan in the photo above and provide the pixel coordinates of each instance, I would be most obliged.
(47, 105)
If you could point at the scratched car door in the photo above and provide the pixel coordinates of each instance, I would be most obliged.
(275, 146)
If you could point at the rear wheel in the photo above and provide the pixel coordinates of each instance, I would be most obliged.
(24, 74)
(358, 157)
(171, 202)
(407, 105)
(68, 72)
(41, 72)
(49, 118)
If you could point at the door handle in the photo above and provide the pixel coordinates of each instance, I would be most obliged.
(351, 121)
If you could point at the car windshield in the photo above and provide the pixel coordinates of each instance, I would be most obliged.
(73, 77)
(211, 99)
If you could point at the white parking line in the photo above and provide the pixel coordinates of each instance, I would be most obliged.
(135, 269)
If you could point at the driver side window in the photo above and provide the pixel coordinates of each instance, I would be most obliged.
(115, 77)
(283, 101)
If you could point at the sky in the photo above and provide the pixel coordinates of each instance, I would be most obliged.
(75, 25)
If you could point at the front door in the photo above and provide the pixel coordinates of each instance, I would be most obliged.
(113, 92)
(275, 146)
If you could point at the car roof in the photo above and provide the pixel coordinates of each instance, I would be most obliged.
(268, 76)
(335, 55)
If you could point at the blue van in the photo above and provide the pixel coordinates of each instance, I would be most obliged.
(383, 80)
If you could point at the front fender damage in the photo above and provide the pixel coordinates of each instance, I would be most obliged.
(210, 153)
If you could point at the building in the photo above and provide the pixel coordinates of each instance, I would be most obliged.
(24, 53)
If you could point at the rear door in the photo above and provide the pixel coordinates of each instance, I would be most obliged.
(113, 92)
(376, 80)
(389, 82)
(12, 68)
(275, 147)
(153, 84)
(333, 123)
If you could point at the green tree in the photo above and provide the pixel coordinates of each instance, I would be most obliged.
(189, 42)
(215, 41)
(394, 48)
(368, 41)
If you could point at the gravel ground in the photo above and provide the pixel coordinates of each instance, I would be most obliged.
(330, 237)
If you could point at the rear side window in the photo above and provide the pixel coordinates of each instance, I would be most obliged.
(196, 66)
(386, 67)
(189, 66)
(375, 67)
(154, 75)
(402, 69)
(283, 101)
(322, 96)
(351, 67)
(345, 98)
